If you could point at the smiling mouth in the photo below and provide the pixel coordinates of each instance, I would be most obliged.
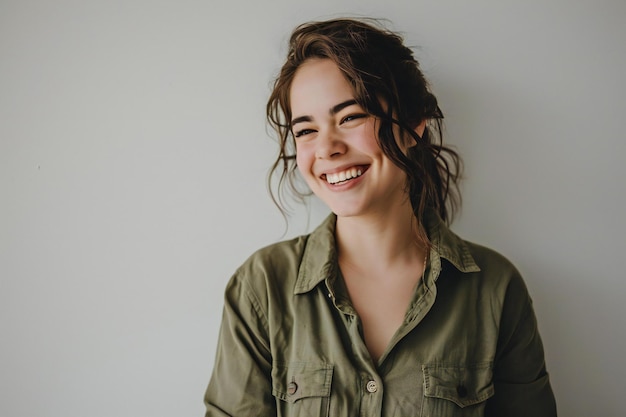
(344, 176)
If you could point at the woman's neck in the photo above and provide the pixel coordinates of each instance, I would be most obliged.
(379, 241)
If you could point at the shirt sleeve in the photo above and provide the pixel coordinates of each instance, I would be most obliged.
(241, 381)
(521, 382)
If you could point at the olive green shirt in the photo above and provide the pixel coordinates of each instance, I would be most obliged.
(291, 343)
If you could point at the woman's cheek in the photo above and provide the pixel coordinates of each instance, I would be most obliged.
(304, 159)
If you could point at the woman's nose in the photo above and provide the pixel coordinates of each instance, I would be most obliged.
(330, 145)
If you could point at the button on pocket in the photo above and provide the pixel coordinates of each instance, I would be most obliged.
(302, 388)
(451, 390)
(292, 387)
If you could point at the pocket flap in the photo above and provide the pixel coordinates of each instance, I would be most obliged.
(463, 385)
(294, 381)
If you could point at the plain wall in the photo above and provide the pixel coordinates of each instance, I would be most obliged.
(133, 158)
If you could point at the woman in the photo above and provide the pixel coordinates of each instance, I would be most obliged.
(382, 310)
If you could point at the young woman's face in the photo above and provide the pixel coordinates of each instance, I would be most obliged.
(336, 148)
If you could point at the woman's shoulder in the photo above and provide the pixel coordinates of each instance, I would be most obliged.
(490, 259)
(286, 256)
(276, 260)
(468, 256)
(498, 272)
(273, 276)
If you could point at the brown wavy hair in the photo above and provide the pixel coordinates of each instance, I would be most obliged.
(380, 70)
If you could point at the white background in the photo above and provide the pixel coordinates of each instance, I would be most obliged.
(133, 157)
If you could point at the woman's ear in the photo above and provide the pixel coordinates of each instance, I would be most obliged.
(421, 128)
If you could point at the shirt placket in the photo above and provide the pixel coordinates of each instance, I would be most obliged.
(370, 382)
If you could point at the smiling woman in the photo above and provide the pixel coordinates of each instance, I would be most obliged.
(382, 310)
(337, 151)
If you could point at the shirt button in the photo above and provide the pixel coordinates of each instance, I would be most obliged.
(292, 387)
(462, 391)
(372, 387)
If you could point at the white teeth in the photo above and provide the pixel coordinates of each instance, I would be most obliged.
(343, 176)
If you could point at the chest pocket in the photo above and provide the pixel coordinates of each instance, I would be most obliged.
(302, 389)
(459, 391)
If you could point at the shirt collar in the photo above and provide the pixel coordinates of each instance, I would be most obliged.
(447, 245)
(320, 256)
(319, 260)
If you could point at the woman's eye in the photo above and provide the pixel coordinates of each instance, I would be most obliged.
(353, 117)
(302, 132)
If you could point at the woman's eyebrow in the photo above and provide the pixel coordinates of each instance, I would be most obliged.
(334, 110)
(301, 119)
